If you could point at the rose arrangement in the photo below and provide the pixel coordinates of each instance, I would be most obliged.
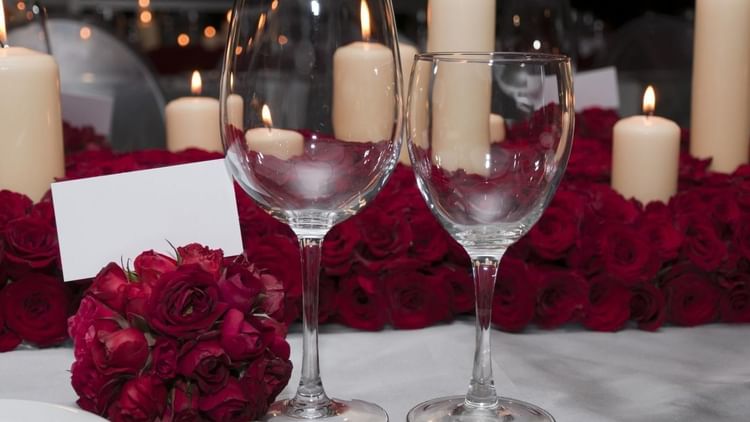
(594, 258)
(182, 339)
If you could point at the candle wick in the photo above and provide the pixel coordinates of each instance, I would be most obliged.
(3, 44)
(650, 113)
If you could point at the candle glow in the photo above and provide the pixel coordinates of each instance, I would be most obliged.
(3, 34)
(364, 13)
(265, 115)
(196, 84)
(649, 101)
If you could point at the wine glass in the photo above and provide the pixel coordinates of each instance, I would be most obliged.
(489, 135)
(311, 110)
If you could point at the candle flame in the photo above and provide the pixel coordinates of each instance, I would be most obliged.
(364, 16)
(649, 100)
(196, 84)
(3, 34)
(266, 116)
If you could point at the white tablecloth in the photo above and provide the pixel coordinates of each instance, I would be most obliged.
(677, 374)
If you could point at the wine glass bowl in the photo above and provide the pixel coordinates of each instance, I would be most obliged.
(489, 135)
(311, 113)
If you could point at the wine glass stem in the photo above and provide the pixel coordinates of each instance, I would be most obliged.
(311, 400)
(482, 387)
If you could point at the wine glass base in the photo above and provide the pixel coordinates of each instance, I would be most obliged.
(336, 411)
(454, 409)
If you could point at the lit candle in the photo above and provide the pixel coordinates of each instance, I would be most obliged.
(645, 155)
(364, 88)
(462, 93)
(720, 117)
(407, 53)
(193, 122)
(31, 142)
(282, 144)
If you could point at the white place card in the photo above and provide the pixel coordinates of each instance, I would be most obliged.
(88, 110)
(114, 218)
(593, 88)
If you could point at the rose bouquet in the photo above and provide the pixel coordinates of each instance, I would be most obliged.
(191, 338)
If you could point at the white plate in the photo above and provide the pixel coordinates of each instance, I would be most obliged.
(35, 411)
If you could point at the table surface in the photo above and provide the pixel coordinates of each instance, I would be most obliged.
(676, 374)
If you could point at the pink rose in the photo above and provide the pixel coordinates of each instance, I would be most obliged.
(116, 351)
(151, 265)
(208, 259)
(110, 286)
(142, 399)
(242, 338)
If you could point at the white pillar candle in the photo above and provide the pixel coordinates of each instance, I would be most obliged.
(497, 128)
(363, 89)
(407, 53)
(236, 110)
(461, 98)
(282, 144)
(720, 117)
(646, 155)
(31, 142)
(193, 122)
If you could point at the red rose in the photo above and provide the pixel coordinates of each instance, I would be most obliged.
(36, 308)
(110, 286)
(185, 302)
(274, 255)
(361, 304)
(554, 234)
(241, 287)
(207, 364)
(664, 237)
(605, 204)
(513, 301)
(562, 297)
(609, 308)
(30, 245)
(117, 351)
(586, 257)
(417, 300)
(151, 265)
(338, 248)
(647, 307)
(89, 311)
(141, 399)
(735, 302)
(461, 285)
(242, 338)
(741, 240)
(96, 392)
(208, 259)
(233, 403)
(429, 240)
(627, 255)
(164, 358)
(703, 247)
(184, 403)
(383, 237)
(596, 123)
(272, 371)
(12, 205)
(8, 339)
(691, 299)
